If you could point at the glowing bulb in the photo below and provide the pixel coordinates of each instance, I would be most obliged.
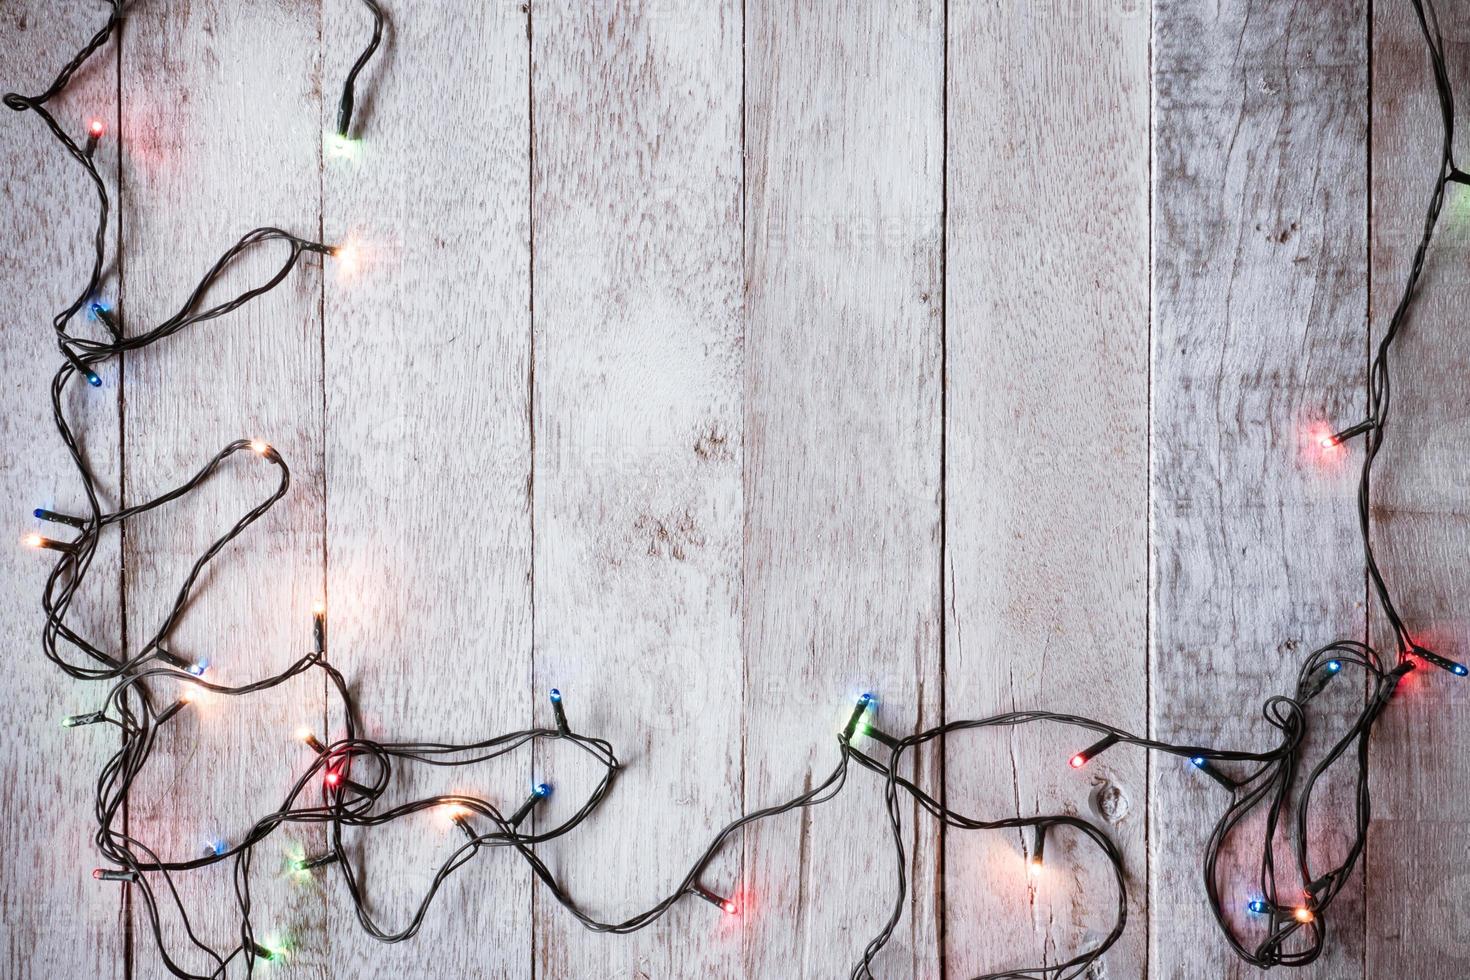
(348, 256)
(1333, 666)
(93, 379)
(34, 541)
(1328, 442)
(555, 696)
(333, 777)
(541, 790)
(1077, 761)
(1256, 905)
(729, 907)
(95, 128)
(1303, 915)
(319, 608)
(1199, 761)
(1035, 867)
(260, 447)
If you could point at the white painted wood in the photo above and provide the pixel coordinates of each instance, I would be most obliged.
(428, 441)
(1419, 843)
(710, 460)
(637, 489)
(1259, 304)
(844, 123)
(1046, 467)
(201, 166)
(58, 921)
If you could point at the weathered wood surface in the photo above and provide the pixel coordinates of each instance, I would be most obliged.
(1045, 465)
(202, 166)
(844, 184)
(1259, 332)
(1418, 858)
(56, 922)
(637, 401)
(716, 362)
(429, 505)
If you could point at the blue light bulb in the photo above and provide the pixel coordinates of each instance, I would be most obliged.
(1256, 905)
(868, 697)
(555, 696)
(93, 379)
(1458, 669)
(1333, 666)
(542, 790)
(198, 669)
(40, 511)
(1199, 761)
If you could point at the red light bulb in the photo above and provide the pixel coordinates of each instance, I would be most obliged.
(95, 127)
(1077, 761)
(333, 777)
(729, 907)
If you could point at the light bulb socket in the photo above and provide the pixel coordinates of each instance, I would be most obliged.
(859, 709)
(720, 902)
(172, 710)
(462, 821)
(51, 544)
(1204, 766)
(878, 735)
(560, 711)
(109, 320)
(306, 864)
(1094, 750)
(1038, 845)
(114, 874)
(55, 518)
(87, 718)
(1443, 663)
(541, 792)
(1352, 432)
(177, 662)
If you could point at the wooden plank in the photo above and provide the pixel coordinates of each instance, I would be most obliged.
(1046, 466)
(1417, 842)
(427, 348)
(58, 921)
(638, 368)
(222, 136)
(844, 161)
(1258, 339)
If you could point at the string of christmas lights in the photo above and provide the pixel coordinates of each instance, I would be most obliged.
(343, 783)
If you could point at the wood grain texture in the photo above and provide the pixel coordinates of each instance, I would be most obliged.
(56, 922)
(714, 362)
(203, 166)
(1418, 843)
(844, 122)
(1046, 466)
(427, 368)
(1259, 266)
(637, 490)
